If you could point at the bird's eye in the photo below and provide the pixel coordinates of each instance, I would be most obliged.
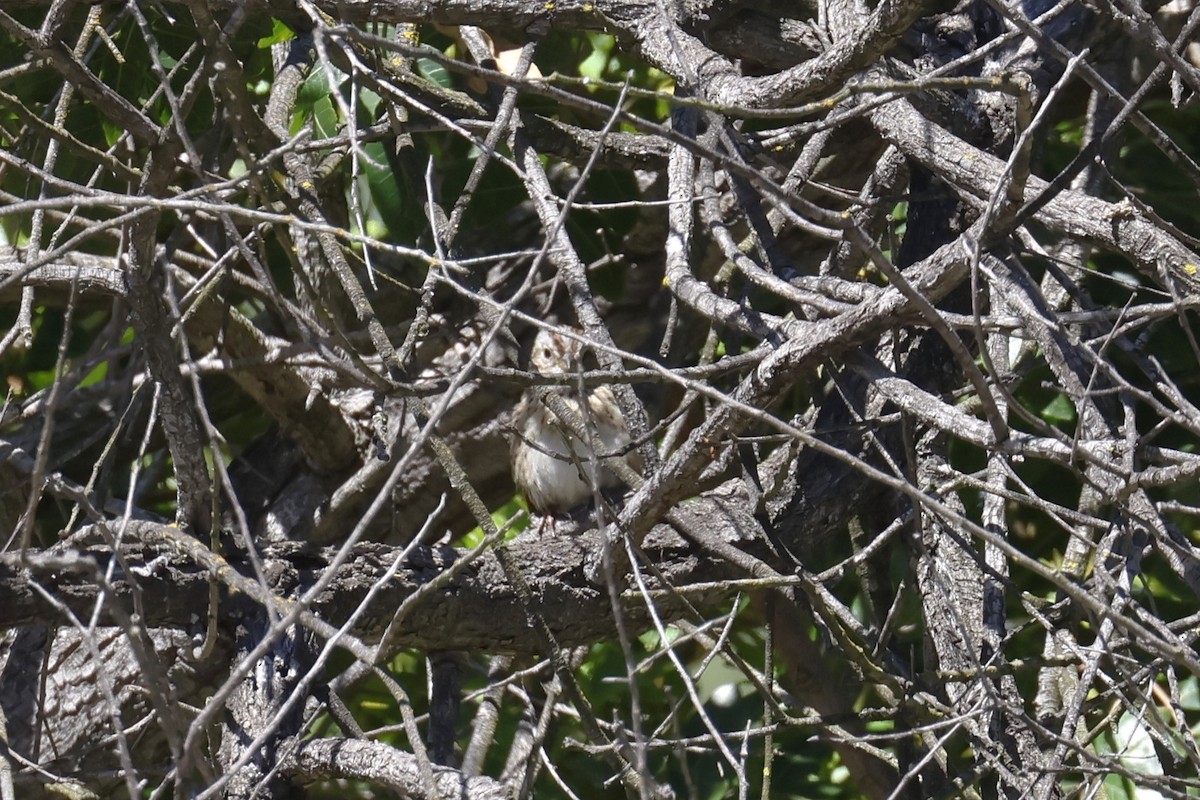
(546, 353)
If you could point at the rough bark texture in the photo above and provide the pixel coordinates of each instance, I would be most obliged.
(904, 348)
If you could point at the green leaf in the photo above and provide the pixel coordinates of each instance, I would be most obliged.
(1059, 411)
(97, 374)
(595, 66)
(326, 118)
(280, 33)
(434, 72)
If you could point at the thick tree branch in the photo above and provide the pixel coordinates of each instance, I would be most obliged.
(976, 174)
(477, 610)
(386, 767)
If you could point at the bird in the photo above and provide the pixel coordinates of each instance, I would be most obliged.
(551, 466)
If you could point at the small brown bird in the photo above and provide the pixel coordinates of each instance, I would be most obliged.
(552, 467)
